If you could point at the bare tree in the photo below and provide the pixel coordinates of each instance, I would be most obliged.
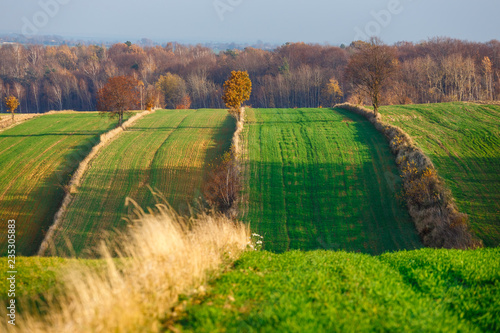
(19, 91)
(370, 67)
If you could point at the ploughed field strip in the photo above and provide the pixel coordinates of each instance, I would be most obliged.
(463, 142)
(166, 150)
(37, 160)
(322, 178)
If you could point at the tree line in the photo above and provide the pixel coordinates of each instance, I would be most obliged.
(293, 75)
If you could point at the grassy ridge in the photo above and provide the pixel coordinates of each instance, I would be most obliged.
(463, 142)
(324, 291)
(322, 178)
(38, 157)
(320, 291)
(166, 150)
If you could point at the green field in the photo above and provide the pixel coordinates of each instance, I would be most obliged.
(424, 290)
(322, 179)
(37, 159)
(313, 179)
(463, 142)
(167, 150)
(324, 291)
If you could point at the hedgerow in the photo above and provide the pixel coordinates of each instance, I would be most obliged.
(437, 219)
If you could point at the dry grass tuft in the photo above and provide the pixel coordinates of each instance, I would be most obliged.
(240, 122)
(161, 256)
(431, 205)
(6, 119)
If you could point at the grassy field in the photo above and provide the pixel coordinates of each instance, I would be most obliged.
(424, 290)
(322, 179)
(167, 150)
(38, 157)
(325, 291)
(463, 142)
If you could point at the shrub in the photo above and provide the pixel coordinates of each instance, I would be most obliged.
(223, 184)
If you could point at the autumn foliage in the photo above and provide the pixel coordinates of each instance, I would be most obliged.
(371, 67)
(237, 89)
(46, 78)
(12, 104)
(173, 88)
(184, 104)
(332, 92)
(120, 93)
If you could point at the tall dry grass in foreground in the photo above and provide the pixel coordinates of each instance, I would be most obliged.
(161, 256)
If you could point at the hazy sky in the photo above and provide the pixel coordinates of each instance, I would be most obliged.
(275, 21)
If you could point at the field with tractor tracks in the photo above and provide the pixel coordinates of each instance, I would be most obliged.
(322, 178)
(167, 151)
(463, 142)
(38, 157)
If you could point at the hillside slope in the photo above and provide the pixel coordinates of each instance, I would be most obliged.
(322, 179)
(463, 142)
(38, 157)
(167, 150)
(323, 291)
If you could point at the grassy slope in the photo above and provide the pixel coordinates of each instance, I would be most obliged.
(323, 291)
(39, 277)
(425, 291)
(38, 157)
(463, 141)
(319, 180)
(166, 150)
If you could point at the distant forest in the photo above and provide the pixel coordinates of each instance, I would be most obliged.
(47, 78)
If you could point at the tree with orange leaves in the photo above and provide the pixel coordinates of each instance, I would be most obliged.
(237, 89)
(119, 94)
(11, 103)
(184, 104)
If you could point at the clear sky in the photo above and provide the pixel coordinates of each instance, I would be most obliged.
(275, 21)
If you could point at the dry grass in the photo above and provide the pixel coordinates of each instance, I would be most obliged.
(162, 255)
(78, 175)
(430, 203)
(6, 119)
(236, 145)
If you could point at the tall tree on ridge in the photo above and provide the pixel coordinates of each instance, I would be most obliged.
(370, 67)
(118, 95)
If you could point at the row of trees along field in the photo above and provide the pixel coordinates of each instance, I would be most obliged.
(295, 74)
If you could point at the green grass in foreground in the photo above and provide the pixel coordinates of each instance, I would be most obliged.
(421, 291)
(38, 157)
(167, 150)
(322, 179)
(39, 277)
(463, 142)
(320, 291)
